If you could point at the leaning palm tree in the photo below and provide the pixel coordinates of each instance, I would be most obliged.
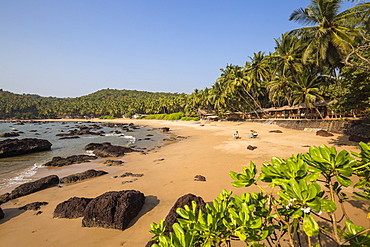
(332, 33)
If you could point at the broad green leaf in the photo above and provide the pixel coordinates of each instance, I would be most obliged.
(312, 176)
(315, 205)
(328, 205)
(351, 227)
(345, 171)
(310, 226)
(343, 180)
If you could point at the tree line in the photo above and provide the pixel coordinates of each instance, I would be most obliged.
(328, 58)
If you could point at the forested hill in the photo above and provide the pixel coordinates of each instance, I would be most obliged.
(103, 102)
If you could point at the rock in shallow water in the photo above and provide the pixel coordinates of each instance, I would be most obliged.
(14, 147)
(31, 187)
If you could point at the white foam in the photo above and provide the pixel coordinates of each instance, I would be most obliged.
(24, 177)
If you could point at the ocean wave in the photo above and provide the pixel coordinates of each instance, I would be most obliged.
(23, 177)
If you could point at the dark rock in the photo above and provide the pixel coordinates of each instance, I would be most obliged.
(165, 129)
(82, 176)
(14, 147)
(31, 187)
(106, 149)
(38, 213)
(69, 137)
(72, 208)
(114, 209)
(199, 178)
(1, 214)
(323, 133)
(129, 174)
(275, 131)
(355, 138)
(172, 216)
(9, 134)
(74, 159)
(5, 197)
(33, 206)
(250, 147)
(113, 162)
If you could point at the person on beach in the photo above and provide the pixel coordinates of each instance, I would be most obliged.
(253, 134)
(236, 135)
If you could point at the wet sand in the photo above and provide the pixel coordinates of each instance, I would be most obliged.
(169, 172)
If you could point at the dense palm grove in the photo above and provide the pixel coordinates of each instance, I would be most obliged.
(327, 59)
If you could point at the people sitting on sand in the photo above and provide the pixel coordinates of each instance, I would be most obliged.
(253, 134)
(236, 135)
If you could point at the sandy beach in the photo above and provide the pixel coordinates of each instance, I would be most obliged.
(169, 172)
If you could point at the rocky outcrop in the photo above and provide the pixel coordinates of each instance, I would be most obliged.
(31, 187)
(9, 134)
(82, 176)
(14, 147)
(323, 133)
(106, 149)
(114, 209)
(33, 206)
(5, 197)
(72, 208)
(1, 214)
(187, 199)
(165, 129)
(74, 159)
(113, 162)
(250, 147)
(172, 216)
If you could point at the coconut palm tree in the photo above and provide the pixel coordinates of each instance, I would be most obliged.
(331, 35)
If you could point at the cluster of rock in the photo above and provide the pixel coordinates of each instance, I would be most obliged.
(47, 182)
(74, 159)
(114, 209)
(106, 149)
(14, 147)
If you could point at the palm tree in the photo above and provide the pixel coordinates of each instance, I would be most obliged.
(331, 35)
(306, 89)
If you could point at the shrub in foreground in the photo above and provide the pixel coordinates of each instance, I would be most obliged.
(300, 208)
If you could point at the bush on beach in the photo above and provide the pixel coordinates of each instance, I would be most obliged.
(300, 208)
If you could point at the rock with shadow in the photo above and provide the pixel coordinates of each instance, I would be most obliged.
(33, 206)
(74, 159)
(72, 208)
(323, 133)
(114, 209)
(106, 149)
(15, 147)
(31, 187)
(4, 198)
(82, 176)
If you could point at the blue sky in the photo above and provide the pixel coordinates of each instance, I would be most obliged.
(70, 48)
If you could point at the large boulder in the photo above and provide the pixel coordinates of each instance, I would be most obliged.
(82, 176)
(1, 214)
(31, 187)
(72, 208)
(172, 216)
(14, 147)
(114, 209)
(74, 159)
(106, 149)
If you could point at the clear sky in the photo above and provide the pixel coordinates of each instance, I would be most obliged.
(70, 48)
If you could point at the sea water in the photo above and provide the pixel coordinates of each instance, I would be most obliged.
(19, 169)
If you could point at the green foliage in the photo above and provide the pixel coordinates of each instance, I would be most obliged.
(302, 187)
(190, 118)
(173, 116)
(106, 117)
